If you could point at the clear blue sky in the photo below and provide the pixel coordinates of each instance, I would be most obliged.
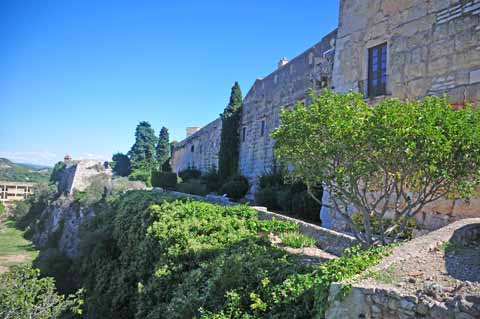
(77, 76)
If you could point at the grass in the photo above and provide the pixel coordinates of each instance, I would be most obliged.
(296, 240)
(14, 249)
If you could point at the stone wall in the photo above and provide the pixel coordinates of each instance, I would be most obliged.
(199, 150)
(284, 87)
(78, 174)
(433, 47)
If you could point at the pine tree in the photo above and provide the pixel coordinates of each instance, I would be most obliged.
(142, 154)
(163, 149)
(121, 164)
(228, 156)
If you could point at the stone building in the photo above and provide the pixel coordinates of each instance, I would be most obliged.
(406, 49)
(200, 148)
(10, 192)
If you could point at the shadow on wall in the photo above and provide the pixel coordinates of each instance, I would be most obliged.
(462, 253)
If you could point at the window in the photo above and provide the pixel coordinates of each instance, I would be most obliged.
(377, 70)
(192, 149)
(262, 128)
(244, 133)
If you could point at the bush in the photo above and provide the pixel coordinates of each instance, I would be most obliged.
(165, 180)
(23, 294)
(306, 207)
(194, 187)
(236, 188)
(141, 175)
(148, 257)
(357, 219)
(296, 240)
(212, 180)
(267, 197)
(189, 173)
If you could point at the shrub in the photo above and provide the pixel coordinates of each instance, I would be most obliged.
(142, 175)
(305, 207)
(23, 294)
(267, 197)
(189, 173)
(194, 187)
(411, 225)
(236, 188)
(165, 180)
(212, 180)
(296, 240)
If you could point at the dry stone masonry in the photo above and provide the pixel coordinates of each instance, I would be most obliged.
(421, 48)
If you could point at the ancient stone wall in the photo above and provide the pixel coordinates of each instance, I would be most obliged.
(199, 150)
(284, 87)
(432, 47)
(78, 174)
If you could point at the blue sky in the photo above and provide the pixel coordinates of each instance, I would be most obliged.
(77, 76)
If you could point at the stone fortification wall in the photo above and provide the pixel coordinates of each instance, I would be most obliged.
(432, 47)
(199, 150)
(78, 174)
(286, 86)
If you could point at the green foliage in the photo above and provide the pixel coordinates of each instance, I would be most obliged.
(2, 209)
(296, 240)
(397, 154)
(165, 180)
(376, 224)
(304, 206)
(236, 188)
(142, 175)
(24, 295)
(53, 263)
(14, 172)
(163, 150)
(189, 173)
(228, 156)
(121, 164)
(194, 187)
(151, 257)
(57, 172)
(212, 180)
(26, 212)
(267, 197)
(142, 153)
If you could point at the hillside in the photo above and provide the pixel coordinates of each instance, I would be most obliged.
(14, 172)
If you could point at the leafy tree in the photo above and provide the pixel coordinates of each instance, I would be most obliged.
(121, 164)
(57, 172)
(163, 149)
(142, 153)
(228, 155)
(396, 157)
(24, 295)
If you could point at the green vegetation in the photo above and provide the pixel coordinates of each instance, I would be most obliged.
(275, 194)
(14, 172)
(400, 155)
(14, 248)
(57, 172)
(228, 156)
(121, 164)
(142, 154)
(151, 257)
(194, 187)
(165, 180)
(25, 295)
(236, 187)
(297, 240)
(163, 150)
(411, 225)
(2, 210)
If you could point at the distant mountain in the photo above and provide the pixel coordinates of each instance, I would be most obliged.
(15, 172)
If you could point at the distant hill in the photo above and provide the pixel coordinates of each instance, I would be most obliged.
(14, 172)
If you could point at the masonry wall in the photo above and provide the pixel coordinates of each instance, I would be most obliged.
(284, 87)
(199, 150)
(433, 47)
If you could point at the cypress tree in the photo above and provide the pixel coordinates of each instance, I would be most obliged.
(228, 156)
(163, 149)
(142, 153)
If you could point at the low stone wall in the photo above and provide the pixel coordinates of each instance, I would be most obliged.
(373, 303)
(326, 239)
